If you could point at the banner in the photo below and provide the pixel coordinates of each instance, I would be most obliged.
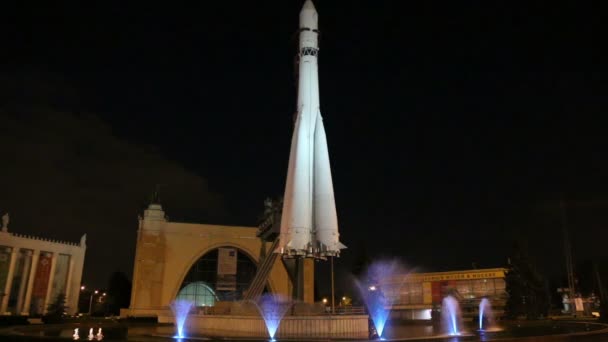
(226, 269)
(5, 261)
(43, 272)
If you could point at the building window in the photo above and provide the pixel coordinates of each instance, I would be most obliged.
(464, 288)
(205, 270)
(198, 293)
(416, 293)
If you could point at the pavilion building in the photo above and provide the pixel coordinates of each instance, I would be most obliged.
(417, 295)
(34, 271)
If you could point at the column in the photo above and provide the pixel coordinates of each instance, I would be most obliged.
(49, 290)
(9, 280)
(68, 285)
(30, 284)
(23, 286)
(308, 288)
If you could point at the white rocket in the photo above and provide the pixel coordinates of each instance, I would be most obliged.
(309, 224)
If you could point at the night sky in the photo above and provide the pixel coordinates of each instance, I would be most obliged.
(453, 130)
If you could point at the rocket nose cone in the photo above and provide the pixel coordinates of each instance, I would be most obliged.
(308, 5)
(309, 16)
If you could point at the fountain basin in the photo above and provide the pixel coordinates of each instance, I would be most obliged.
(322, 326)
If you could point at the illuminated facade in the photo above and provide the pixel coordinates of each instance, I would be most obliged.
(416, 295)
(35, 271)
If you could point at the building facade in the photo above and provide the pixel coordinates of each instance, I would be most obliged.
(202, 263)
(417, 295)
(34, 271)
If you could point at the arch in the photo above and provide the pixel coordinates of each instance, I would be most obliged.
(209, 248)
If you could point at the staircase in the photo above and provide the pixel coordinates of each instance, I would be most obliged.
(261, 276)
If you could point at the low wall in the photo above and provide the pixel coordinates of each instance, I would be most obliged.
(149, 312)
(343, 326)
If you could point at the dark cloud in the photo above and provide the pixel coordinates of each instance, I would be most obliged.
(66, 174)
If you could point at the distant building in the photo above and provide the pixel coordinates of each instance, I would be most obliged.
(416, 295)
(34, 271)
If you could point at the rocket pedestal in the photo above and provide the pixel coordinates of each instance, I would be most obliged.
(309, 223)
(302, 274)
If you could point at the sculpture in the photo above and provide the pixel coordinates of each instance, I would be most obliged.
(5, 220)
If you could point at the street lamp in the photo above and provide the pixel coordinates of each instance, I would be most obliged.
(91, 301)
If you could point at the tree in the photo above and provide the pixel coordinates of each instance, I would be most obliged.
(527, 289)
(56, 311)
(119, 292)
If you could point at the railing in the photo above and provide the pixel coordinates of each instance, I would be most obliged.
(350, 310)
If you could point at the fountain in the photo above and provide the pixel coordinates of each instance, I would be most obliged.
(272, 308)
(180, 309)
(486, 316)
(376, 298)
(76, 336)
(91, 336)
(99, 335)
(450, 316)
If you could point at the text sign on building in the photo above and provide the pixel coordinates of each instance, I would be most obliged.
(464, 276)
(447, 276)
(226, 269)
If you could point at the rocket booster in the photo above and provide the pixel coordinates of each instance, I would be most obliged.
(309, 223)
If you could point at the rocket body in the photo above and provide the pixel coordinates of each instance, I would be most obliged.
(309, 223)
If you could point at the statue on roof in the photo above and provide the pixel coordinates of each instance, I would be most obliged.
(5, 220)
(156, 194)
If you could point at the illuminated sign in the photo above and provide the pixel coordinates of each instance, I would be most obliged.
(446, 276)
(459, 276)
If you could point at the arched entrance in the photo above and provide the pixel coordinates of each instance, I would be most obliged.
(172, 255)
(222, 274)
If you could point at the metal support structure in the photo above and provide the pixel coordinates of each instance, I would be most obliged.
(333, 296)
(568, 254)
(91, 301)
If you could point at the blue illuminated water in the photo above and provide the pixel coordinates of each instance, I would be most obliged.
(378, 302)
(272, 308)
(180, 309)
(485, 314)
(450, 316)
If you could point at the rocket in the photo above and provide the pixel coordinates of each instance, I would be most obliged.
(309, 223)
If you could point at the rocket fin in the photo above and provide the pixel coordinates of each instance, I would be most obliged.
(296, 219)
(325, 216)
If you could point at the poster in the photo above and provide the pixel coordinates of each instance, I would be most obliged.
(226, 269)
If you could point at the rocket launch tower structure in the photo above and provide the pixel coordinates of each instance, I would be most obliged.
(309, 223)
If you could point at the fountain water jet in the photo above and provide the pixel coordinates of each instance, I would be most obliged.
(180, 309)
(375, 295)
(450, 316)
(272, 308)
(486, 316)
